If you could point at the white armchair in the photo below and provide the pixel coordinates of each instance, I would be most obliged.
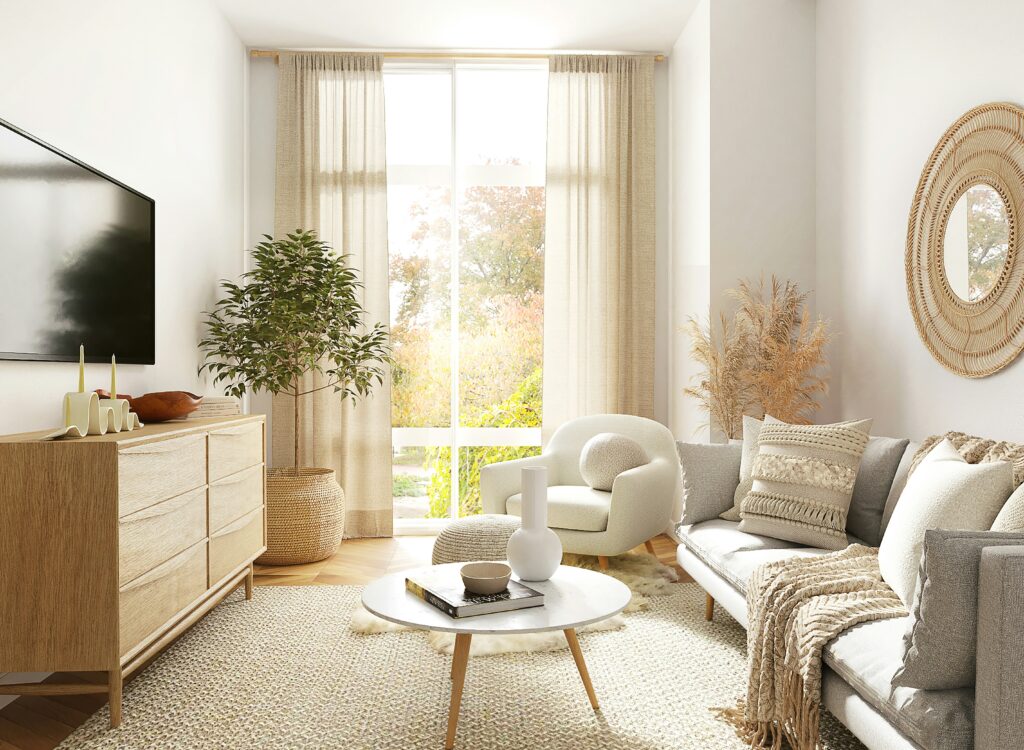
(589, 521)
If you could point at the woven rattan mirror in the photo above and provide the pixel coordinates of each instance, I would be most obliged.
(965, 273)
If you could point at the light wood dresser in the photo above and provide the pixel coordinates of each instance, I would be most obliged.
(112, 546)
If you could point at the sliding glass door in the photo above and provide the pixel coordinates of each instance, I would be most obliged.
(466, 152)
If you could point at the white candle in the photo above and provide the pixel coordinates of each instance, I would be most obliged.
(113, 377)
(81, 368)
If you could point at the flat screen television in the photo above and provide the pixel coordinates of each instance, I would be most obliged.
(77, 258)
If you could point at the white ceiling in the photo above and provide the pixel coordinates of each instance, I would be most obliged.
(598, 25)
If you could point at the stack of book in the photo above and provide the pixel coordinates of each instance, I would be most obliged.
(217, 406)
(443, 589)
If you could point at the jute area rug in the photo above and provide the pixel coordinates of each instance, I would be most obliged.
(286, 671)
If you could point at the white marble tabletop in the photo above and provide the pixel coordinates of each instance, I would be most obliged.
(573, 597)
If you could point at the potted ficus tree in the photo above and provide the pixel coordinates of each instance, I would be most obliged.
(295, 326)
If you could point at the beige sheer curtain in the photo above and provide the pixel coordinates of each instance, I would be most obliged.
(599, 240)
(331, 177)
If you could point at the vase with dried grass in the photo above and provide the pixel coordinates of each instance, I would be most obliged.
(295, 326)
(768, 358)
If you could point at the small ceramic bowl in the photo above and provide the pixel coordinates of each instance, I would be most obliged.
(485, 577)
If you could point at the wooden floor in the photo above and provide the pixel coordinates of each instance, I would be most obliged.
(42, 723)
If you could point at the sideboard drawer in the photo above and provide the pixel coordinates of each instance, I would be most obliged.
(234, 496)
(235, 448)
(156, 534)
(236, 543)
(155, 597)
(147, 474)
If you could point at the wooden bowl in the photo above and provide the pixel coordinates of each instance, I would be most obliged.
(485, 577)
(162, 406)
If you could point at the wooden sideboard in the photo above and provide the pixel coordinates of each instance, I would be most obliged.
(112, 546)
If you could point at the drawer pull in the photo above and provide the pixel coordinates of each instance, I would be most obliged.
(240, 430)
(159, 572)
(237, 478)
(164, 446)
(234, 526)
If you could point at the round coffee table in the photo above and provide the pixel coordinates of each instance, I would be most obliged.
(573, 597)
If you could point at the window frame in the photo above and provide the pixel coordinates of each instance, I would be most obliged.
(456, 179)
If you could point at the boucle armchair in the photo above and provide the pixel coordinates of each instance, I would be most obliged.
(589, 521)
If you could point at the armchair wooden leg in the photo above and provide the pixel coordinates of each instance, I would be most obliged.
(650, 547)
(603, 562)
(709, 608)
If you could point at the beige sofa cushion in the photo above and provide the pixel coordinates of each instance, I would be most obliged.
(868, 655)
(751, 431)
(734, 555)
(1011, 517)
(803, 481)
(943, 492)
(575, 507)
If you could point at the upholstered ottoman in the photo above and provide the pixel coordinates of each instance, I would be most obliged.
(474, 538)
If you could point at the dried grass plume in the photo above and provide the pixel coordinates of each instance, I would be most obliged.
(769, 359)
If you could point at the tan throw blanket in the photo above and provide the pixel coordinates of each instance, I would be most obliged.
(795, 607)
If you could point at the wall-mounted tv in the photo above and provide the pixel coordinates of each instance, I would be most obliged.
(77, 258)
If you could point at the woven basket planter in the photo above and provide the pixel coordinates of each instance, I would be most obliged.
(305, 516)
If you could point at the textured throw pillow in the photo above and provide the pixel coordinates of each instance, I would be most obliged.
(606, 455)
(898, 483)
(803, 481)
(943, 492)
(751, 431)
(710, 474)
(874, 480)
(942, 638)
(1011, 517)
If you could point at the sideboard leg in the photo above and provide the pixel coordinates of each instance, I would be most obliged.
(115, 687)
(248, 584)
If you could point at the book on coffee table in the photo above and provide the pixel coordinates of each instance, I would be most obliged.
(443, 589)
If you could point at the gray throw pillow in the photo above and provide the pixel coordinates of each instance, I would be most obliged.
(941, 640)
(899, 481)
(874, 480)
(710, 475)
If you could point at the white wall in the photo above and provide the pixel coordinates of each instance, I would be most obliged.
(152, 94)
(743, 165)
(891, 78)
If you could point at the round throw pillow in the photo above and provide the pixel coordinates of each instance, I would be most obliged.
(606, 455)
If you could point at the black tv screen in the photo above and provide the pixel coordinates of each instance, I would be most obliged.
(76, 258)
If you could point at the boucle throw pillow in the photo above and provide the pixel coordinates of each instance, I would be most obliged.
(803, 481)
(1011, 516)
(751, 430)
(943, 492)
(941, 642)
(606, 455)
(710, 474)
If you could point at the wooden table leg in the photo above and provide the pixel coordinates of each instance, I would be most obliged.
(248, 583)
(115, 685)
(574, 646)
(460, 660)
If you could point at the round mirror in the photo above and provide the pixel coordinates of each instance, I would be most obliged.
(976, 242)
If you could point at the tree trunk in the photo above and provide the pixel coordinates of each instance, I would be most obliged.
(296, 427)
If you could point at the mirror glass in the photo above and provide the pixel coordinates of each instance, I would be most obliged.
(976, 242)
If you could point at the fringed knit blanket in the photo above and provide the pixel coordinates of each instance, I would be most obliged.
(795, 607)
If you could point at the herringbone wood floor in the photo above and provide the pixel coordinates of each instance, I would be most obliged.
(42, 723)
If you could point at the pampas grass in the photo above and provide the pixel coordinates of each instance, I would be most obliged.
(769, 359)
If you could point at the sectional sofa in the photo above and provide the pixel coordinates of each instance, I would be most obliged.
(860, 663)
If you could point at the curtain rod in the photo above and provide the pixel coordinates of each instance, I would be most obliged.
(454, 55)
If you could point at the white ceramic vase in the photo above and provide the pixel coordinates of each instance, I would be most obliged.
(534, 550)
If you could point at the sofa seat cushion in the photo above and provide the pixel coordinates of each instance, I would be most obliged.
(867, 656)
(574, 507)
(734, 554)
